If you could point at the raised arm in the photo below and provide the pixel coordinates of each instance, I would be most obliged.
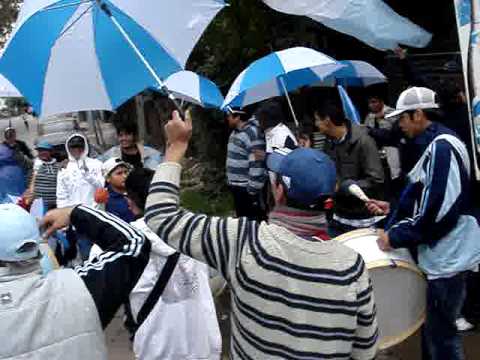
(112, 275)
(212, 240)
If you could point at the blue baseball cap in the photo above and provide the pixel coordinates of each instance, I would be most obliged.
(20, 236)
(44, 145)
(307, 173)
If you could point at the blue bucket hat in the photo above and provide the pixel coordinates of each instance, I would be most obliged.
(20, 237)
(44, 145)
(308, 174)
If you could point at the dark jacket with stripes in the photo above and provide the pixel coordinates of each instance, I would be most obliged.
(291, 298)
(111, 276)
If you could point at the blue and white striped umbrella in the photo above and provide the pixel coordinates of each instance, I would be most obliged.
(279, 73)
(351, 112)
(7, 90)
(355, 74)
(74, 55)
(196, 89)
(358, 73)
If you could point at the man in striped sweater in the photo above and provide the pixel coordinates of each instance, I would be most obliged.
(245, 168)
(292, 297)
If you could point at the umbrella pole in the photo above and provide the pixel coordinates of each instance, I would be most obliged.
(142, 58)
(290, 103)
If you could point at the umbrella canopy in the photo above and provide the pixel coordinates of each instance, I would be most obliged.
(7, 89)
(358, 73)
(73, 55)
(279, 73)
(371, 21)
(188, 86)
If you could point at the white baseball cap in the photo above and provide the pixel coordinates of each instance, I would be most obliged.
(111, 164)
(413, 99)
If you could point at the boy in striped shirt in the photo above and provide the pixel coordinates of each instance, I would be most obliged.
(44, 181)
(292, 297)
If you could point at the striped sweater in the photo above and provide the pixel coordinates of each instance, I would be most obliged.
(45, 182)
(243, 168)
(291, 298)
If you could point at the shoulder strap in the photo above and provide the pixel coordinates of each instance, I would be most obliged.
(158, 289)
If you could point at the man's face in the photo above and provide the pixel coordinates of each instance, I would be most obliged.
(11, 136)
(77, 151)
(375, 105)
(126, 140)
(233, 121)
(322, 123)
(118, 177)
(408, 124)
(44, 155)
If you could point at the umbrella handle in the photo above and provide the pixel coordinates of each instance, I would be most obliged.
(142, 58)
(297, 124)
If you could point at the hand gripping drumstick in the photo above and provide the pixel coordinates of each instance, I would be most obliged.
(356, 191)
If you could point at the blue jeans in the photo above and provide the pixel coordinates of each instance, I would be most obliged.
(445, 298)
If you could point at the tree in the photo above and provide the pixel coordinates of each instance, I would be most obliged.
(243, 32)
(8, 15)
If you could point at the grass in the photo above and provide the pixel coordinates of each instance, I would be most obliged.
(203, 203)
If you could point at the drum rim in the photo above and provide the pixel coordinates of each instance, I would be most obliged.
(388, 342)
(356, 233)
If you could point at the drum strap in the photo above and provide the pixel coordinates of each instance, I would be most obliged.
(158, 289)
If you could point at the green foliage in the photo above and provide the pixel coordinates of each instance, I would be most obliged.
(243, 32)
(8, 15)
(204, 203)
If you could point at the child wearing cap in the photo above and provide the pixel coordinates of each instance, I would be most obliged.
(116, 171)
(44, 181)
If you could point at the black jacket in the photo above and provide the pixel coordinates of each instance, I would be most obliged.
(410, 149)
(111, 277)
(356, 159)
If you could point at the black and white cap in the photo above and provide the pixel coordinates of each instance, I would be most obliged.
(413, 99)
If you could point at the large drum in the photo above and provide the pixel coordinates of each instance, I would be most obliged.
(398, 285)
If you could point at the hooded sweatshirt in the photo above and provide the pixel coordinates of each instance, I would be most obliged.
(77, 183)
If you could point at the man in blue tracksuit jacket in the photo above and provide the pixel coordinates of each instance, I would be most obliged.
(433, 216)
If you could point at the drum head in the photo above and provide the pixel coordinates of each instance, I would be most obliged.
(399, 287)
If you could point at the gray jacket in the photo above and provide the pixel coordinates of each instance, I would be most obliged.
(39, 320)
(356, 159)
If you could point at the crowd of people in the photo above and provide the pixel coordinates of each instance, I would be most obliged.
(295, 293)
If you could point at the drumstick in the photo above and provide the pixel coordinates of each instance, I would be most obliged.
(356, 191)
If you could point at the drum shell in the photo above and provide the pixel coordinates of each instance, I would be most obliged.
(399, 287)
